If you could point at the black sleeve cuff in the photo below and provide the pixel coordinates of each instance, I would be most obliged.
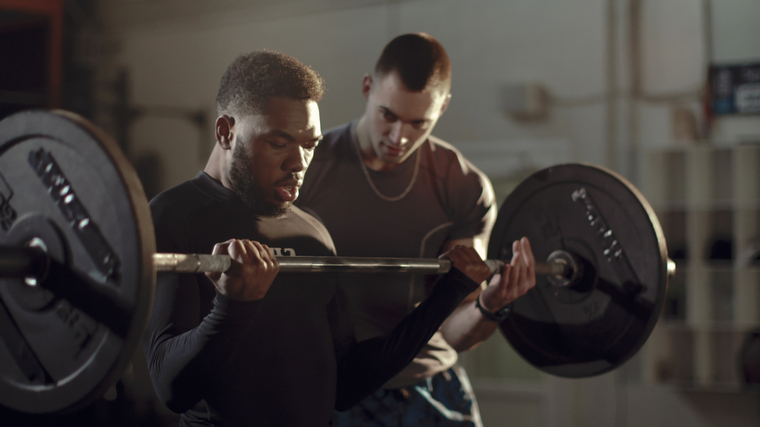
(234, 310)
(458, 276)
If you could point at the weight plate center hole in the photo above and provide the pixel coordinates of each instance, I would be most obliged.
(37, 243)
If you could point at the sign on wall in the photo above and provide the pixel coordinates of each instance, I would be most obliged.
(735, 89)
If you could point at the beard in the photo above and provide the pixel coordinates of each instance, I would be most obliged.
(250, 191)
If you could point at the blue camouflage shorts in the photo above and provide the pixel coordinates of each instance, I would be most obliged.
(444, 400)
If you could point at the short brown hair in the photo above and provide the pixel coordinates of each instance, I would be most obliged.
(418, 58)
(253, 78)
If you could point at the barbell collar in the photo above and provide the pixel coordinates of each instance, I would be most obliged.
(93, 298)
(554, 268)
(23, 261)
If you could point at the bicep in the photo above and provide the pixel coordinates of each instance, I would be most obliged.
(175, 311)
(177, 297)
(341, 322)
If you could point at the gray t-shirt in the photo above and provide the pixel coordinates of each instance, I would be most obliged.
(449, 199)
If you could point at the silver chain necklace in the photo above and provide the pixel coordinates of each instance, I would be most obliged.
(372, 184)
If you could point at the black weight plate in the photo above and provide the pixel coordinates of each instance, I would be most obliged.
(66, 340)
(603, 319)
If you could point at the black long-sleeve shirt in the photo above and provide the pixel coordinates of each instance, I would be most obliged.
(287, 359)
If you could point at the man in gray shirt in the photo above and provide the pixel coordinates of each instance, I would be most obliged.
(385, 187)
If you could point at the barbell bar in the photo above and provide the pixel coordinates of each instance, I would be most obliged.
(191, 263)
(33, 263)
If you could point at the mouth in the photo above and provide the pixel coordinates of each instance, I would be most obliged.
(392, 150)
(287, 191)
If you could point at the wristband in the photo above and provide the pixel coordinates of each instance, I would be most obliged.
(499, 316)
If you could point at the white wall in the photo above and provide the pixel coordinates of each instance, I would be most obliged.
(736, 34)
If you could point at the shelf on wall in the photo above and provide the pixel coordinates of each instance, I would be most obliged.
(708, 201)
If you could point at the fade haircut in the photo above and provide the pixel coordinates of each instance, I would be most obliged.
(253, 78)
(419, 59)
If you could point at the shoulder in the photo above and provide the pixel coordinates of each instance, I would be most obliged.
(334, 135)
(467, 190)
(174, 211)
(176, 202)
(464, 184)
(334, 145)
(453, 163)
(442, 150)
(333, 152)
(316, 228)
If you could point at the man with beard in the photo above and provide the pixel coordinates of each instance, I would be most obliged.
(422, 198)
(251, 347)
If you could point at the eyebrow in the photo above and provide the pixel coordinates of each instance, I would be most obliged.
(289, 137)
(389, 111)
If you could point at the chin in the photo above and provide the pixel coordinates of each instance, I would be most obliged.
(393, 159)
(270, 208)
(276, 209)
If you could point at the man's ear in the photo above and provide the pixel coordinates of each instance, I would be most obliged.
(224, 130)
(366, 85)
(446, 103)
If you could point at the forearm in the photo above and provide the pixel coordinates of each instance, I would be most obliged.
(371, 363)
(466, 328)
(179, 365)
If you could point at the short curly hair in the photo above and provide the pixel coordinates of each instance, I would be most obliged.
(253, 78)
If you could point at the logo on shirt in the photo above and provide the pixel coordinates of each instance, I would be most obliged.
(284, 251)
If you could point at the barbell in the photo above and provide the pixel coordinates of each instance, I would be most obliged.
(32, 263)
(78, 265)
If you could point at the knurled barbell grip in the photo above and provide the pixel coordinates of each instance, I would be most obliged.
(191, 263)
(194, 263)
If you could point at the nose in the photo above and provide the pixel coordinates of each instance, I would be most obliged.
(398, 134)
(298, 159)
